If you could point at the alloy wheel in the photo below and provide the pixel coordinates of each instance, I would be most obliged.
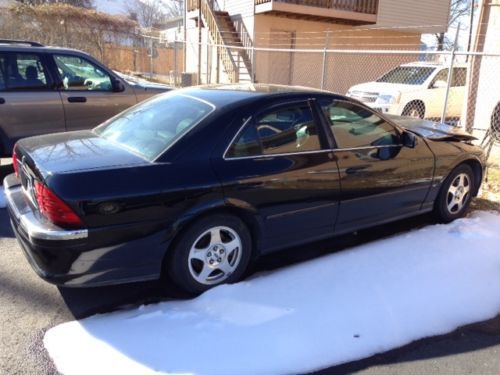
(458, 193)
(215, 255)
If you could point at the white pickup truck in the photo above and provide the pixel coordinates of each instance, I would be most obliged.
(415, 89)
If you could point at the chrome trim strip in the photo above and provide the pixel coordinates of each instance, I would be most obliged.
(311, 152)
(33, 227)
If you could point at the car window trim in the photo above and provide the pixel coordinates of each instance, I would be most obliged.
(49, 86)
(91, 61)
(399, 131)
(310, 103)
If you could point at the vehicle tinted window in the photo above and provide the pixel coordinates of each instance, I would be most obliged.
(459, 77)
(79, 74)
(152, 126)
(354, 126)
(22, 72)
(3, 70)
(288, 130)
(441, 76)
(247, 143)
(408, 75)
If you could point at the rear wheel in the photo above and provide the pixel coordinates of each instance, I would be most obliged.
(455, 195)
(213, 251)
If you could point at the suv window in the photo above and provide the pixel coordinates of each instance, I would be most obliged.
(354, 126)
(459, 77)
(288, 129)
(3, 70)
(79, 74)
(22, 72)
(441, 76)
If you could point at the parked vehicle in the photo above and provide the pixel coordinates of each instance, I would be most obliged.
(49, 89)
(416, 90)
(196, 182)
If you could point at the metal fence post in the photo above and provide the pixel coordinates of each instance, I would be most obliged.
(325, 54)
(450, 75)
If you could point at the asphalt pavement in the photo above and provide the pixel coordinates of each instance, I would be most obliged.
(30, 306)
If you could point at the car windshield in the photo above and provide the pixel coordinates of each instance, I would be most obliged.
(151, 127)
(407, 75)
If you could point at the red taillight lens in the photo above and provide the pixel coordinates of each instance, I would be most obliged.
(54, 208)
(14, 161)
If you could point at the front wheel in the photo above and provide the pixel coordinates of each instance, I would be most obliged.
(455, 195)
(212, 251)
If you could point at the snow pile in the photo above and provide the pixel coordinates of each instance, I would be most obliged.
(3, 201)
(330, 310)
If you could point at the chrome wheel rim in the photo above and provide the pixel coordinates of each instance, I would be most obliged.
(458, 193)
(215, 255)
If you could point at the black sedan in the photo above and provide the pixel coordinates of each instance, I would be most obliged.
(198, 182)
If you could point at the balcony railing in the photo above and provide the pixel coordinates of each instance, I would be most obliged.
(359, 6)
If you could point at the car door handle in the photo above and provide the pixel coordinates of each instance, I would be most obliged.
(2, 101)
(77, 99)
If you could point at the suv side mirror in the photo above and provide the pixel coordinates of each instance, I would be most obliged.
(440, 84)
(409, 139)
(118, 86)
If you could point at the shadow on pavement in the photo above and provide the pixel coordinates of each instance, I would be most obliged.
(83, 302)
(463, 340)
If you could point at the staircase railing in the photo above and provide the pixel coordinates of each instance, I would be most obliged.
(223, 49)
(247, 42)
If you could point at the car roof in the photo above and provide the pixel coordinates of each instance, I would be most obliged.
(232, 93)
(25, 47)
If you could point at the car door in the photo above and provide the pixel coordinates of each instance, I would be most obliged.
(279, 164)
(28, 103)
(380, 178)
(88, 92)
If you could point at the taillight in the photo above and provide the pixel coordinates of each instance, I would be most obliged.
(54, 208)
(14, 161)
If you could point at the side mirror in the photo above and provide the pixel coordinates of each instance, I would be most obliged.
(440, 84)
(409, 139)
(118, 86)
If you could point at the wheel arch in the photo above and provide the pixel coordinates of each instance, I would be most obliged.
(414, 102)
(239, 209)
(477, 169)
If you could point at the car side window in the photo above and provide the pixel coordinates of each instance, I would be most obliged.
(459, 77)
(287, 129)
(354, 126)
(441, 76)
(22, 72)
(3, 71)
(78, 74)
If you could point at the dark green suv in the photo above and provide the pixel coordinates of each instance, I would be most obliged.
(51, 89)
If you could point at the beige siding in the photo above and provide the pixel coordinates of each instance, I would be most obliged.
(414, 13)
(342, 70)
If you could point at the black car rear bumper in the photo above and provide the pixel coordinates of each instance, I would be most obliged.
(83, 257)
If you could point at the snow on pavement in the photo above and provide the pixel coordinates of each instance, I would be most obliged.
(331, 310)
(3, 201)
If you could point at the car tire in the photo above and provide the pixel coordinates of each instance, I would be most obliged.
(212, 251)
(414, 110)
(455, 194)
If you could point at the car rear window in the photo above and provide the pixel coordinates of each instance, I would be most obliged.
(149, 128)
(407, 75)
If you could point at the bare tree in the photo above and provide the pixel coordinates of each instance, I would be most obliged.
(174, 8)
(458, 9)
(148, 13)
